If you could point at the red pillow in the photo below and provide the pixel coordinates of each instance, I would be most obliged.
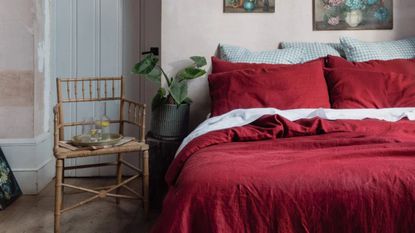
(290, 87)
(219, 66)
(351, 88)
(404, 66)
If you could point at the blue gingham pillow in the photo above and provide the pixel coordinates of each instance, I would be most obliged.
(360, 51)
(277, 56)
(314, 50)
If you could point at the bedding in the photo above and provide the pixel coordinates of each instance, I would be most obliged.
(350, 88)
(220, 66)
(314, 50)
(276, 56)
(297, 86)
(299, 175)
(405, 66)
(242, 117)
(360, 51)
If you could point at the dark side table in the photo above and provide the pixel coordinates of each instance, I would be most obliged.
(161, 155)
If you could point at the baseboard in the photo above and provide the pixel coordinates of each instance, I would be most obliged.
(33, 181)
(31, 161)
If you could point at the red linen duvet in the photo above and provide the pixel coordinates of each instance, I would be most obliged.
(308, 176)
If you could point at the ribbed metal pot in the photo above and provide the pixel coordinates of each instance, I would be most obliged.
(170, 121)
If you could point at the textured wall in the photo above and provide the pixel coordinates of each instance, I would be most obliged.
(16, 68)
(197, 27)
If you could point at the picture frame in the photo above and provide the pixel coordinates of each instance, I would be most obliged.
(9, 188)
(248, 6)
(352, 15)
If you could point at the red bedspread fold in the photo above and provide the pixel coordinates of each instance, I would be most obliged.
(313, 175)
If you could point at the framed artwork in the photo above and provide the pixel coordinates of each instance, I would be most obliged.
(249, 6)
(352, 14)
(9, 189)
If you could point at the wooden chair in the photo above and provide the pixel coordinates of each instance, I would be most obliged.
(83, 90)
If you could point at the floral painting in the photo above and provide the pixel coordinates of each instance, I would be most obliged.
(9, 189)
(353, 14)
(249, 6)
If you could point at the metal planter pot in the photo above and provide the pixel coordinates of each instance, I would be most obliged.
(170, 122)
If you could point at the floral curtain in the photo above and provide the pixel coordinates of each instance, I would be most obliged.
(9, 189)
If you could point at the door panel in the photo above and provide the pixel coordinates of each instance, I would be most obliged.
(88, 43)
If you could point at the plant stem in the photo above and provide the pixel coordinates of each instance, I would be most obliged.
(165, 76)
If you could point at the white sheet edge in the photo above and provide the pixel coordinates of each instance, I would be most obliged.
(241, 117)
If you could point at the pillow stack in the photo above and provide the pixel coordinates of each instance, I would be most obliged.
(371, 84)
(406, 66)
(314, 50)
(353, 88)
(375, 74)
(262, 86)
(360, 51)
(314, 75)
(277, 56)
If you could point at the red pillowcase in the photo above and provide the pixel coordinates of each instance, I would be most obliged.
(290, 87)
(219, 66)
(404, 66)
(351, 88)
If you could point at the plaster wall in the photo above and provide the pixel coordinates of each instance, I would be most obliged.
(17, 68)
(24, 91)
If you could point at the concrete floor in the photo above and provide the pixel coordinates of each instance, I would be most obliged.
(34, 214)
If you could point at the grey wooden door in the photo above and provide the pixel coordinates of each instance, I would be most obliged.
(104, 38)
(88, 43)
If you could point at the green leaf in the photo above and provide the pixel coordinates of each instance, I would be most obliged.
(159, 99)
(199, 61)
(146, 66)
(154, 75)
(162, 92)
(178, 90)
(190, 73)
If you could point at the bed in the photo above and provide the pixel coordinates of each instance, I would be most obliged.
(340, 157)
(308, 175)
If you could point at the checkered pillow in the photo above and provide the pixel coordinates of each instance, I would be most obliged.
(314, 50)
(360, 51)
(277, 56)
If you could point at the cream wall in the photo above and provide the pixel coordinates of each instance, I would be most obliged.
(16, 68)
(22, 77)
(24, 90)
(197, 27)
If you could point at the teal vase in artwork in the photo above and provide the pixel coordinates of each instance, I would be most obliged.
(249, 5)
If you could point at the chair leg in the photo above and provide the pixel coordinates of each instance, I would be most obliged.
(145, 183)
(58, 194)
(63, 181)
(119, 176)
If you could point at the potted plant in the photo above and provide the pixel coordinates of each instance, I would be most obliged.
(170, 106)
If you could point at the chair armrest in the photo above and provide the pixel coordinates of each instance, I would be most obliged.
(134, 102)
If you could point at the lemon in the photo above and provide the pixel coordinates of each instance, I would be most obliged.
(105, 123)
(93, 132)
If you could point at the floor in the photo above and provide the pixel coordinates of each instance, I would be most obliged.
(35, 213)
